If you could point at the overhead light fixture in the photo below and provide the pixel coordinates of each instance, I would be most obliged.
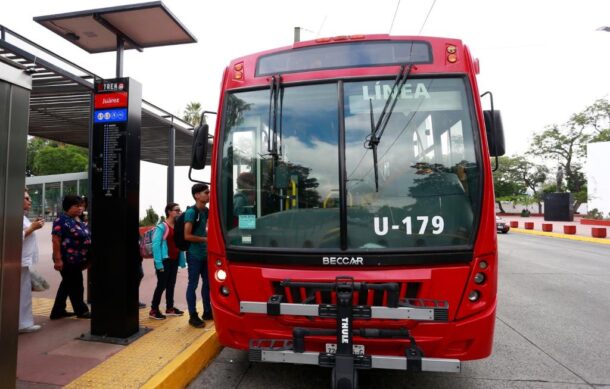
(72, 36)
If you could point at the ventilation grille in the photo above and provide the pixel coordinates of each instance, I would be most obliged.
(300, 295)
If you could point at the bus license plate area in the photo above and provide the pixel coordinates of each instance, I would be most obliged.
(357, 349)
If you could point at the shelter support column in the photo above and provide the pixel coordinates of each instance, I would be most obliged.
(171, 162)
(15, 86)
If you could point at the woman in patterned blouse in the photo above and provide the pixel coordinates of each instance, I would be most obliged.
(71, 241)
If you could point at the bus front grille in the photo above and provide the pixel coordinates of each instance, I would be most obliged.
(302, 295)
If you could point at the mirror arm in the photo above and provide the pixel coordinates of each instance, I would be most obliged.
(194, 180)
(203, 116)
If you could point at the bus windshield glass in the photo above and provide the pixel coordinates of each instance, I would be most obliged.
(289, 196)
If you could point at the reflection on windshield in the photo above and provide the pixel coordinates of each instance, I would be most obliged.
(429, 177)
(281, 203)
(428, 174)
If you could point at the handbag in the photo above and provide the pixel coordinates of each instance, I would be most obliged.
(39, 284)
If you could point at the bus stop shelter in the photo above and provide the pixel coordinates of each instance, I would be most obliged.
(61, 98)
(60, 106)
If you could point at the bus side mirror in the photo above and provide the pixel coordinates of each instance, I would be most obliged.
(199, 151)
(495, 133)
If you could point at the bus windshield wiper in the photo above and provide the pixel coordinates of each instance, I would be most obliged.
(377, 130)
(276, 97)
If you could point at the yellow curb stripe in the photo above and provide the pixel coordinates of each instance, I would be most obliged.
(186, 366)
(170, 356)
(562, 236)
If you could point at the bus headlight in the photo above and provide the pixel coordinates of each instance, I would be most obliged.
(474, 296)
(221, 275)
(224, 290)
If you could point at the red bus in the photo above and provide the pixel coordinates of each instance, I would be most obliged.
(352, 220)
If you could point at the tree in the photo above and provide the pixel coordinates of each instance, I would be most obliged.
(150, 219)
(33, 147)
(55, 158)
(565, 144)
(597, 116)
(532, 175)
(192, 113)
(507, 186)
(577, 185)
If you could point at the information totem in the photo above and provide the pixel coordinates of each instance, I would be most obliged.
(114, 208)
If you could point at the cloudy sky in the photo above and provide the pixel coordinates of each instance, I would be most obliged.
(543, 60)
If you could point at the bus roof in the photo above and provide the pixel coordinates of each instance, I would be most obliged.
(303, 60)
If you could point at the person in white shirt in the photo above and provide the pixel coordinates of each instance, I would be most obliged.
(29, 257)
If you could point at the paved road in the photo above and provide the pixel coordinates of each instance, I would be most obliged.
(552, 330)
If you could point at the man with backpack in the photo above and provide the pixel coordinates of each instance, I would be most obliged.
(195, 221)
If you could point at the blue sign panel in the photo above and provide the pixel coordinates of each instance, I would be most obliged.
(110, 115)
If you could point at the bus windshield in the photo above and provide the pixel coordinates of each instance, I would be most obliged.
(289, 196)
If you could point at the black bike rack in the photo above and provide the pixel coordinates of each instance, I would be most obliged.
(344, 362)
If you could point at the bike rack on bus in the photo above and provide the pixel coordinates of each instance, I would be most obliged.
(345, 361)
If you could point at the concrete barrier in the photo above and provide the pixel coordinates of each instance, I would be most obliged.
(598, 232)
(570, 230)
(529, 225)
(514, 224)
(547, 227)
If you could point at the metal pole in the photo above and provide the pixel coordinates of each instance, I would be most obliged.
(120, 48)
(171, 162)
(90, 169)
(297, 34)
(14, 100)
(44, 202)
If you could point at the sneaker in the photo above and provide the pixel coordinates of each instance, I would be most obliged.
(173, 312)
(61, 315)
(208, 315)
(156, 314)
(32, 328)
(196, 322)
(141, 305)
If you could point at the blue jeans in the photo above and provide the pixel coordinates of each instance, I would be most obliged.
(197, 268)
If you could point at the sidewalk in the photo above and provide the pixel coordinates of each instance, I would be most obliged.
(170, 355)
(583, 231)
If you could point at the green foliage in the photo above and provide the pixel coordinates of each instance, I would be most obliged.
(192, 113)
(566, 144)
(598, 118)
(506, 182)
(34, 145)
(525, 213)
(234, 113)
(550, 188)
(563, 144)
(50, 157)
(597, 214)
(150, 219)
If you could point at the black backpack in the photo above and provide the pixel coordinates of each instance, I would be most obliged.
(181, 243)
